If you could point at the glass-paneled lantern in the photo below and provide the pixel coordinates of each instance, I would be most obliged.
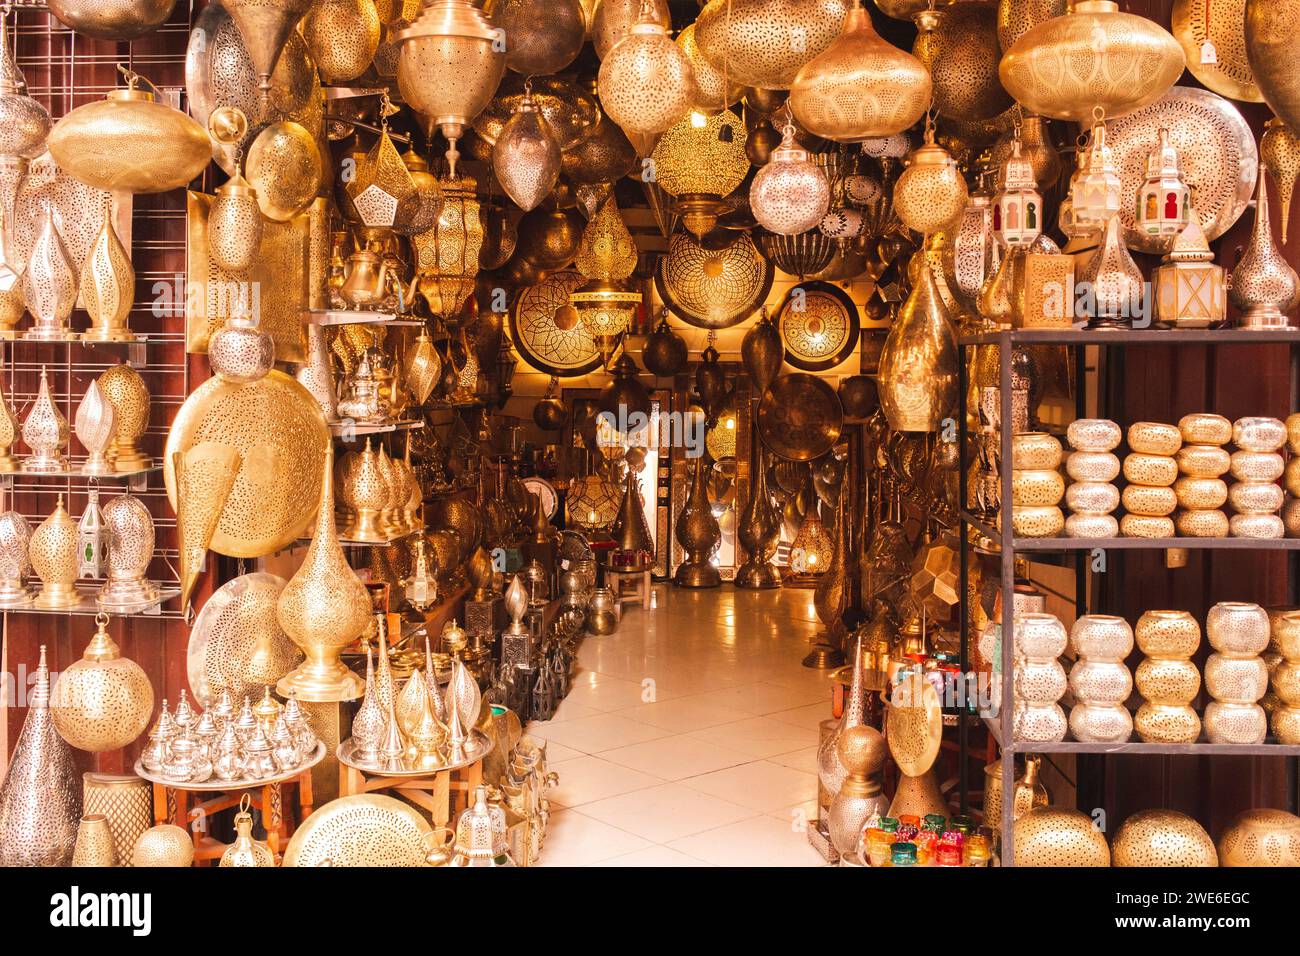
(1164, 204)
(1018, 206)
(1095, 194)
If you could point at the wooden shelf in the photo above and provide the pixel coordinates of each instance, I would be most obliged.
(1121, 337)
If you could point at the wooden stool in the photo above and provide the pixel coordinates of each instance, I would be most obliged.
(443, 793)
(639, 593)
(191, 810)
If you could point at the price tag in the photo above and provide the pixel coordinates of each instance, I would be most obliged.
(1208, 53)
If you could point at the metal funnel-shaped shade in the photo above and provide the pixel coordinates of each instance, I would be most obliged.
(265, 26)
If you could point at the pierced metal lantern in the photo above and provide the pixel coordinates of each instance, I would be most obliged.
(646, 82)
(713, 288)
(790, 193)
(130, 550)
(930, 194)
(1017, 207)
(382, 191)
(526, 156)
(764, 43)
(1164, 203)
(1095, 192)
(1190, 289)
(699, 161)
(24, 121)
(45, 431)
(451, 38)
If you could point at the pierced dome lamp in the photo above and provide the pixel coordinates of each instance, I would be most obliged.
(646, 82)
(451, 38)
(930, 194)
(607, 257)
(698, 162)
(790, 194)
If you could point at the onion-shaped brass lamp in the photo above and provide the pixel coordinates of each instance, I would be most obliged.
(698, 161)
(103, 701)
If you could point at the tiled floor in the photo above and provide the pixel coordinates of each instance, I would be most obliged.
(690, 735)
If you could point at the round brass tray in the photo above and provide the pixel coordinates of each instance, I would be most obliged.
(369, 829)
(800, 417)
(1223, 24)
(278, 427)
(713, 288)
(219, 786)
(541, 341)
(236, 642)
(478, 746)
(1215, 145)
(819, 325)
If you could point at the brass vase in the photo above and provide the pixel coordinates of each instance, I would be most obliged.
(918, 364)
(698, 532)
(316, 375)
(1263, 283)
(46, 432)
(323, 608)
(760, 527)
(125, 389)
(103, 701)
(54, 559)
(831, 596)
(108, 285)
(365, 492)
(40, 803)
(94, 844)
(831, 769)
(861, 751)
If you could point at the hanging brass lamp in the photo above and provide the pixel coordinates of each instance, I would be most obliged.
(342, 36)
(930, 194)
(265, 26)
(959, 46)
(790, 193)
(526, 156)
(1270, 50)
(1093, 57)
(918, 364)
(764, 43)
(607, 257)
(860, 86)
(716, 90)
(698, 162)
(450, 38)
(1279, 147)
(24, 121)
(646, 83)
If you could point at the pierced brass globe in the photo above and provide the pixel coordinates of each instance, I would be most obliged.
(764, 43)
(699, 161)
(713, 288)
(1094, 57)
(646, 82)
(716, 90)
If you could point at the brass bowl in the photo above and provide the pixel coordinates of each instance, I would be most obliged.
(1163, 838)
(1256, 465)
(1093, 434)
(1037, 522)
(1092, 497)
(1154, 438)
(1237, 627)
(1092, 466)
(1258, 433)
(1055, 836)
(1200, 494)
(1261, 837)
(1154, 470)
(1035, 451)
(1085, 525)
(1140, 526)
(1036, 489)
(1149, 501)
(1209, 523)
(1203, 461)
(1205, 428)
(1167, 634)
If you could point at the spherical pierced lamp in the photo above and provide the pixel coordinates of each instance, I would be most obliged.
(861, 86)
(931, 193)
(698, 161)
(716, 90)
(790, 194)
(646, 83)
(450, 39)
(1093, 57)
(764, 43)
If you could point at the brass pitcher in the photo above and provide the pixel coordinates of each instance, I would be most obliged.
(366, 280)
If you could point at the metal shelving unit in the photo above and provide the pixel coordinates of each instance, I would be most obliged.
(1077, 551)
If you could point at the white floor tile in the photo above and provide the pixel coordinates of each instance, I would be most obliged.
(810, 715)
(576, 840)
(758, 736)
(596, 734)
(682, 714)
(654, 856)
(674, 758)
(586, 779)
(759, 841)
(761, 785)
(666, 812)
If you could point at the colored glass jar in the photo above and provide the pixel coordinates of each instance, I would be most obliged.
(903, 854)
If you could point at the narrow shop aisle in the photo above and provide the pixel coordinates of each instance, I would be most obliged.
(690, 736)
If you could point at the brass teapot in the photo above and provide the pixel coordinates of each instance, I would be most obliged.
(371, 279)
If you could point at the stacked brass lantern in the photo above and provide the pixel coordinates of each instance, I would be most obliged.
(450, 38)
(1092, 467)
(607, 257)
(1255, 495)
(1163, 838)
(1100, 680)
(698, 161)
(323, 608)
(1036, 485)
(103, 701)
(1284, 624)
(1202, 461)
(1166, 678)
(1263, 283)
(40, 803)
(126, 391)
(1235, 675)
(1040, 680)
(130, 549)
(1151, 470)
(759, 530)
(861, 750)
(53, 552)
(698, 532)
(1093, 57)
(860, 86)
